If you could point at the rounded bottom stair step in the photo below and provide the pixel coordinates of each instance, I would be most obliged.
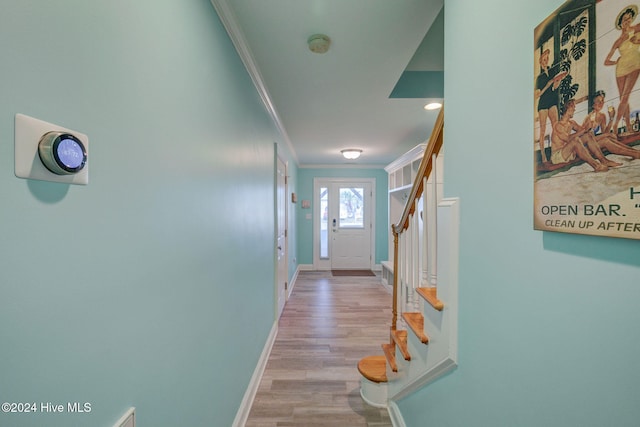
(374, 368)
(373, 384)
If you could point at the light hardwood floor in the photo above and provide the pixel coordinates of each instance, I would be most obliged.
(311, 378)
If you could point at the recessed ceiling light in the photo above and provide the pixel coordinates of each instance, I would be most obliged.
(433, 106)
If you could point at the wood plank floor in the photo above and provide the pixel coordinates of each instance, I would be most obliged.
(311, 378)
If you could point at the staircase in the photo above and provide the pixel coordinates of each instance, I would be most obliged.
(423, 334)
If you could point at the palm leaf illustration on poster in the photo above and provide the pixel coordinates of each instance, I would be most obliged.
(587, 119)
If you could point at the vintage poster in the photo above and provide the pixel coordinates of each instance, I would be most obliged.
(586, 140)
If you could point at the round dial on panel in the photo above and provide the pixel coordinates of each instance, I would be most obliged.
(62, 153)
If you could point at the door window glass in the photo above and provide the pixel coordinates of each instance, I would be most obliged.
(324, 221)
(351, 207)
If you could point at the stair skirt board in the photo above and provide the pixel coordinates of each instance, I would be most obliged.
(397, 420)
(374, 394)
(441, 368)
(128, 419)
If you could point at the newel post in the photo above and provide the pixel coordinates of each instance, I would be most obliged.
(394, 310)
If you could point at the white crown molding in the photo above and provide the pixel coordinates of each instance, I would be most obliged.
(407, 157)
(230, 22)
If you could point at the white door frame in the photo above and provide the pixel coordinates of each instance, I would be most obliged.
(325, 264)
(281, 208)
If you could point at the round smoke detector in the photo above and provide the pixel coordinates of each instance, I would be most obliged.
(319, 43)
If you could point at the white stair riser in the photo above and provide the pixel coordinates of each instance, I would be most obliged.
(374, 394)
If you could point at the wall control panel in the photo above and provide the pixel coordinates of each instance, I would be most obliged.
(49, 152)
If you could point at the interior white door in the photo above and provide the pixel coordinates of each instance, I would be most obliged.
(281, 241)
(350, 225)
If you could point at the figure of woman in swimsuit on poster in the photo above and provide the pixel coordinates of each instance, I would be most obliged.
(628, 62)
(547, 95)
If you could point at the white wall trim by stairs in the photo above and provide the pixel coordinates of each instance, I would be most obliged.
(245, 406)
(396, 416)
(444, 366)
(128, 419)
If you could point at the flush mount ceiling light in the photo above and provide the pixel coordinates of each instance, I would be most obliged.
(433, 106)
(351, 153)
(319, 43)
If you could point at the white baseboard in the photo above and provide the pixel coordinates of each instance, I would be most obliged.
(394, 413)
(245, 406)
(292, 283)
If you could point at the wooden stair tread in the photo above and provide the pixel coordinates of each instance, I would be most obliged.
(390, 354)
(400, 338)
(430, 295)
(374, 368)
(416, 323)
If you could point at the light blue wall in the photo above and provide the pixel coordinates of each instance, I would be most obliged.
(305, 225)
(152, 286)
(548, 322)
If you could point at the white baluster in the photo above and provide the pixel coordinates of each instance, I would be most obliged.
(401, 280)
(424, 243)
(415, 254)
(407, 270)
(433, 235)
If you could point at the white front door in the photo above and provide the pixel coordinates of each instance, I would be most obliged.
(281, 241)
(345, 226)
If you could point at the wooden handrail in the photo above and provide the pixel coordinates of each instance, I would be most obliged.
(426, 166)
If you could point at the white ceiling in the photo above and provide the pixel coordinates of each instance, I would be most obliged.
(340, 99)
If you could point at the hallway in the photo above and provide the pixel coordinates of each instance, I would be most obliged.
(311, 378)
